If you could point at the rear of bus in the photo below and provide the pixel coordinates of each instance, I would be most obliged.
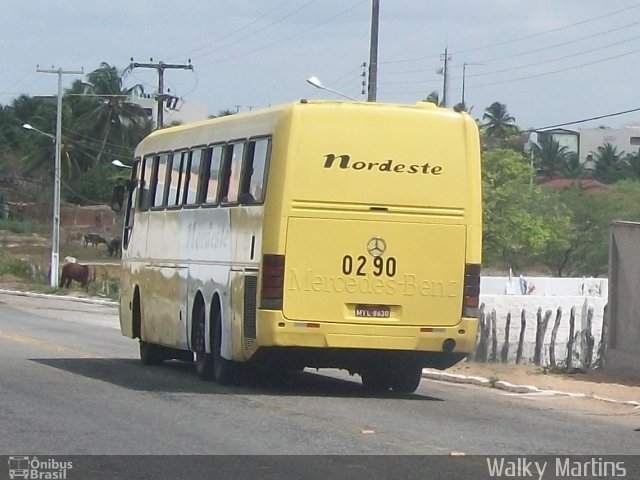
(372, 240)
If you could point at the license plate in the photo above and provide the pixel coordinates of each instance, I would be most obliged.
(373, 311)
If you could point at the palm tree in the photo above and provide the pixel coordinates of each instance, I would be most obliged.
(499, 124)
(609, 163)
(550, 157)
(634, 164)
(462, 107)
(113, 121)
(433, 97)
(573, 168)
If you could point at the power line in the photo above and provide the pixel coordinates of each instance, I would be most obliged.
(563, 44)
(543, 74)
(256, 31)
(264, 47)
(510, 41)
(239, 29)
(599, 117)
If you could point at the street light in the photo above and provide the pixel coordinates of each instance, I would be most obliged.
(119, 164)
(315, 81)
(26, 126)
(55, 233)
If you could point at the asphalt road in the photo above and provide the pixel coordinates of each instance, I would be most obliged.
(70, 384)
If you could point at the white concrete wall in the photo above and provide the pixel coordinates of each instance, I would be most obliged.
(592, 138)
(556, 292)
(546, 286)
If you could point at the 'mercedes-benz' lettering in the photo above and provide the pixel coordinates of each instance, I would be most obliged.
(344, 162)
(407, 284)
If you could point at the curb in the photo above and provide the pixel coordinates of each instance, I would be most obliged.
(94, 301)
(511, 388)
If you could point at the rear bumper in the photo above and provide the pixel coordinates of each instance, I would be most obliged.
(273, 330)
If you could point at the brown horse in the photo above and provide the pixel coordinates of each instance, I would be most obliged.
(74, 271)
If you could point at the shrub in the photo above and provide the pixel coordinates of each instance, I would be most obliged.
(15, 266)
(17, 226)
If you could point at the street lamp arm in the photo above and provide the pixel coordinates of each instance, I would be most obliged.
(119, 164)
(28, 126)
(315, 81)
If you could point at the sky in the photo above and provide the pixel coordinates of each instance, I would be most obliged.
(550, 61)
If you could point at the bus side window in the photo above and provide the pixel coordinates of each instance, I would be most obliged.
(176, 181)
(211, 175)
(152, 164)
(194, 177)
(163, 164)
(134, 189)
(145, 180)
(230, 182)
(254, 171)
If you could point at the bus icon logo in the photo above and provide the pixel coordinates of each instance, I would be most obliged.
(18, 467)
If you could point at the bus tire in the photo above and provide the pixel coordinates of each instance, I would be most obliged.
(375, 380)
(223, 368)
(407, 379)
(203, 360)
(151, 354)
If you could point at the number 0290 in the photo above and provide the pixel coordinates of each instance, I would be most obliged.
(362, 266)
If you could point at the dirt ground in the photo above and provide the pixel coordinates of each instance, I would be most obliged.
(621, 385)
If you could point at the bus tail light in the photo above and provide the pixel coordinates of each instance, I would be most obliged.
(471, 293)
(272, 282)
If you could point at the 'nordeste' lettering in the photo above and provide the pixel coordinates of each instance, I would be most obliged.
(344, 162)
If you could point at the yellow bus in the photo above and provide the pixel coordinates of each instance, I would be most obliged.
(315, 234)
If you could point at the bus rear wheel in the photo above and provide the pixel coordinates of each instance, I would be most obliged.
(151, 354)
(407, 379)
(222, 368)
(375, 380)
(203, 360)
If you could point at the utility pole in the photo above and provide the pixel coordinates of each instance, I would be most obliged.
(55, 231)
(373, 52)
(445, 58)
(160, 67)
(464, 76)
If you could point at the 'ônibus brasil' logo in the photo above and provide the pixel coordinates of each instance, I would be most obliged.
(344, 162)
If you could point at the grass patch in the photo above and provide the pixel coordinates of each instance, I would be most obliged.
(17, 226)
(17, 267)
(109, 288)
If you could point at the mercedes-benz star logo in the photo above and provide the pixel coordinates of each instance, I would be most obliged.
(376, 246)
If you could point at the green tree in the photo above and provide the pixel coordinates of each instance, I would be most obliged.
(609, 163)
(520, 220)
(99, 123)
(573, 168)
(587, 252)
(433, 97)
(634, 164)
(462, 107)
(225, 113)
(113, 121)
(498, 123)
(550, 158)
